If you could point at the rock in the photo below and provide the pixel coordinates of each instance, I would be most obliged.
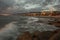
(36, 35)
(45, 35)
(25, 36)
(56, 36)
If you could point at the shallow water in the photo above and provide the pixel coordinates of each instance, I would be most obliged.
(19, 24)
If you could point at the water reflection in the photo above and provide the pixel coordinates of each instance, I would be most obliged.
(19, 24)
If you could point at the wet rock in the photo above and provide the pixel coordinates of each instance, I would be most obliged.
(56, 36)
(25, 36)
(45, 35)
(36, 35)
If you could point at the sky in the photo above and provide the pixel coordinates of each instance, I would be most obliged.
(19, 6)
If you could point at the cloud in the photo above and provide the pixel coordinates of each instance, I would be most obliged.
(20, 1)
(28, 5)
(31, 6)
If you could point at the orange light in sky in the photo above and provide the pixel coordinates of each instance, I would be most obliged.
(5, 14)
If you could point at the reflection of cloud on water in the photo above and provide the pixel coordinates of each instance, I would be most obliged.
(32, 19)
(10, 30)
(32, 25)
(8, 27)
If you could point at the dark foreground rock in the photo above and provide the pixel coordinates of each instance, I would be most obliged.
(25, 36)
(37, 35)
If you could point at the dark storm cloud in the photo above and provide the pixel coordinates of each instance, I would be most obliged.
(4, 4)
(28, 5)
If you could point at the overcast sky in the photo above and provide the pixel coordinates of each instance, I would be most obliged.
(17, 6)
